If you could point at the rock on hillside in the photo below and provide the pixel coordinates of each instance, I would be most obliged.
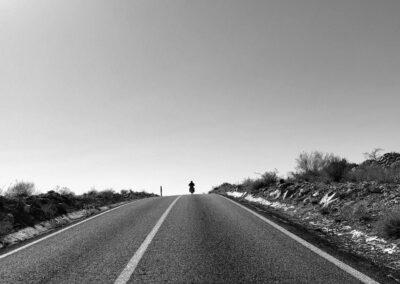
(388, 160)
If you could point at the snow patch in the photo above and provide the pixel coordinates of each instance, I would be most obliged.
(260, 200)
(356, 234)
(236, 194)
(45, 226)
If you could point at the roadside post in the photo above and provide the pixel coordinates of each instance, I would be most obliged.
(161, 190)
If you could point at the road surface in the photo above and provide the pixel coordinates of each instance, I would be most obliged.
(202, 239)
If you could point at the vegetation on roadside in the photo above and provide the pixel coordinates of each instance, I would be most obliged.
(389, 224)
(254, 185)
(21, 207)
(364, 193)
(328, 168)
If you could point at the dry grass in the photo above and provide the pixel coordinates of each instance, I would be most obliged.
(375, 173)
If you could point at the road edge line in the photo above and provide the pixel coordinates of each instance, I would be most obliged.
(134, 261)
(345, 267)
(63, 230)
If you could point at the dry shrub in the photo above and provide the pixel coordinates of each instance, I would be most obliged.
(21, 189)
(360, 212)
(266, 180)
(318, 166)
(222, 188)
(353, 211)
(6, 225)
(389, 224)
(337, 169)
(49, 210)
(375, 173)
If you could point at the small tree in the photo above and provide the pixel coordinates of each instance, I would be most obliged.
(337, 169)
(21, 189)
(373, 155)
(313, 162)
(270, 178)
(107, 194)
(318, 166)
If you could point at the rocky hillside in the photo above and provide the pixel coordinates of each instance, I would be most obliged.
(388, 160)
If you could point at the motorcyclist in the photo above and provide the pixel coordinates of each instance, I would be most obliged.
(191, 187)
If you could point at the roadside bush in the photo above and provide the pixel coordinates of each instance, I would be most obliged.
(49, 210)
(390, 224)
(361, 212)
(93, 192)
(355, 211)
(337, 169)
(222, 188)
(21, 216)
(249, 185)
(319, 167)
(20, 190)
(62, 190)
(374, 173)
(107, 195)
(37, 212)
(255, 185)
(90, 197)
(6, 224)
(52, 196)
(312, 166)
(313, 162)
(20, 208)
(269, 178)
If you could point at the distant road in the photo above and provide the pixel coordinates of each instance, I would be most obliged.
(203, 239)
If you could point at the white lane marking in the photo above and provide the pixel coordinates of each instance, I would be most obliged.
(355, 273)
(63, 230)
(134, 261)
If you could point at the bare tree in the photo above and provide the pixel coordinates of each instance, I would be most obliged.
(21, 189)
(313, 162)
(373, 155)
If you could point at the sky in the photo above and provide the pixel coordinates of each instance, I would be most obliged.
(138, 94)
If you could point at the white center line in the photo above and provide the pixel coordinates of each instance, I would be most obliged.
(132, 264)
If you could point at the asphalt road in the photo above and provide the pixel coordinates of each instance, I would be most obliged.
(203, 239)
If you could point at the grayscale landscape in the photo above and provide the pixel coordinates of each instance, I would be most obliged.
(225, 141)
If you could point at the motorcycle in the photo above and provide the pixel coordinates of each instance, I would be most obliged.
(191, 187)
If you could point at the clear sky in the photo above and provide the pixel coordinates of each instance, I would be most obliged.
(138, 94)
